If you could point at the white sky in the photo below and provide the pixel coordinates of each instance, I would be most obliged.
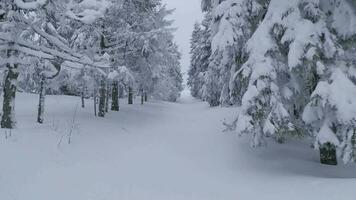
(186, 14)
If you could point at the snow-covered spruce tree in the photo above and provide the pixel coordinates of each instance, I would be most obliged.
(195, 49)
(232, 24)
(162, 58)
(227, 20)
(331, 113)
(200, 54)
(245, 22)
(141, 42)
(277, 51)
(168, 82)
(297, 62)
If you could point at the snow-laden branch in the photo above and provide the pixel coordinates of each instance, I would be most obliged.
(13, 61)
(54, 41)
(122, 74)
(47, 53)
(30, 5)
(88, 11)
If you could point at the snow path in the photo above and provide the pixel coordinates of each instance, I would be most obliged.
(159, 151)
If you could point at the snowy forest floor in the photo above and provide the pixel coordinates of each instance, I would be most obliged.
(158, 151)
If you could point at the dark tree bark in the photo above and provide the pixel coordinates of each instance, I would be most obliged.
(95, 97)
(8, 117)
(42, 92)
(102, 98)
(130, 101)
(115, 97)
(328, 154)
(83, 97)
(142, 97)
(107, 99)
(41, 102)
(146, 98)
(95, 102)
(121, 91)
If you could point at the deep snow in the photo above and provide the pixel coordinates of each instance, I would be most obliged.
(158, 151)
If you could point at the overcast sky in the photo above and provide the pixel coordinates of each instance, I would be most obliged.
(186, 14)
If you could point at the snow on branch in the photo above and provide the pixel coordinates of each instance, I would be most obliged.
(5, 61)
(122, 74)
(30, 5)
(47, 53)
(54, 41)
(88, 11)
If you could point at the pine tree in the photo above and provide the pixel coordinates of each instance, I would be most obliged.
(276, 55)
(200, 52)
(193, 79)
(331, 113)
(295, 66)
(232, 23)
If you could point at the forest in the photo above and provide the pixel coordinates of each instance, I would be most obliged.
(177, 99)
(91, 49)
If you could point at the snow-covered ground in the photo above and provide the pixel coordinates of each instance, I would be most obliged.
(159, 151)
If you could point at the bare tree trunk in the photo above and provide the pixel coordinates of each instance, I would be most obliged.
(130, 95)
(8, 118)
(142, 97)
(115, 97)
(102, 99)
(146, 98)
(83, 96)
(107, 99)
(41, 103)
(95, 99)
(328, 154)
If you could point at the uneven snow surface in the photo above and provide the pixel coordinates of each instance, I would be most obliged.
(158, 151)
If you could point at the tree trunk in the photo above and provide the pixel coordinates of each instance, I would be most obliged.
(146, 98)
(83, 97)
(107, 99)
(328, 154)
(95, 99)
(8, 118)
(142, 97)
(41, 103)
(102, 99)
(115, 97)
(130, 96)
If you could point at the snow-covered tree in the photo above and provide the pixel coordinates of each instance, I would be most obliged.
(200, 57)
(139, 38)
(119, 76)
(297, 60)
(233, 23)
(331, 113)
(193, 80)
(12, 24)
(23, 24)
